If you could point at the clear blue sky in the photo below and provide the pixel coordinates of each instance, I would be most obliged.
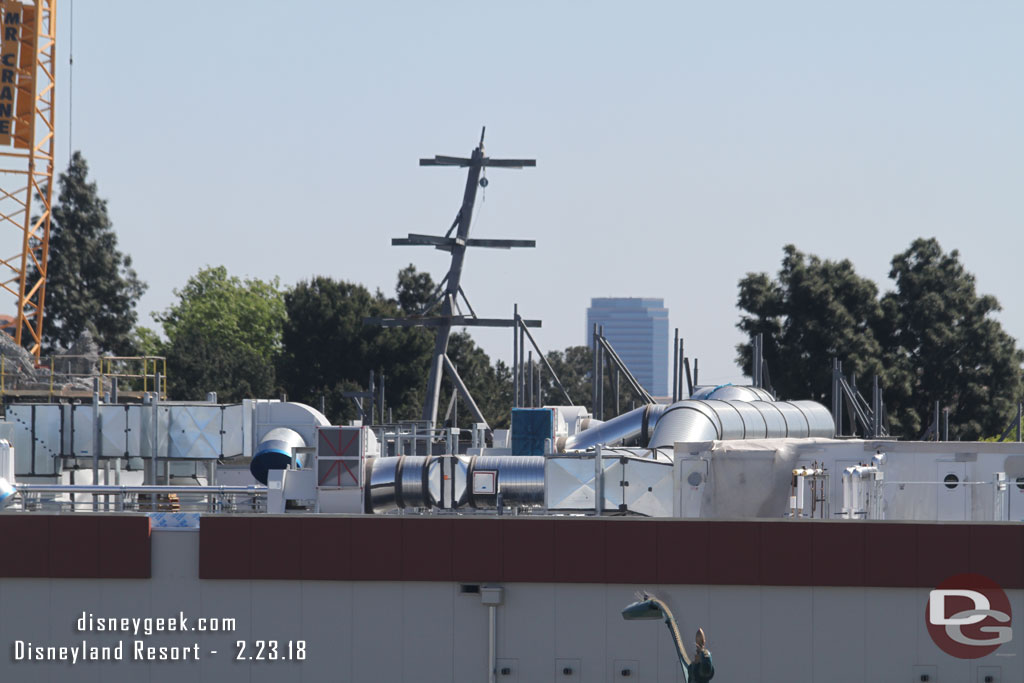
(679, 144)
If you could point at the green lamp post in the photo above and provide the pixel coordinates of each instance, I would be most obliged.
(698, 670)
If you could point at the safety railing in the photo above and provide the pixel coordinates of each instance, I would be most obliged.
(133, 373)
(117, 498)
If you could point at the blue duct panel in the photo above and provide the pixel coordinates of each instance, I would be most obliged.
(530, 428)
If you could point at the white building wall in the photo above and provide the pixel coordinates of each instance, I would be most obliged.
(413, 631)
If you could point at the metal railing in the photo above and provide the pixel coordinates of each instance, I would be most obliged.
(66, 367)
(117, 498)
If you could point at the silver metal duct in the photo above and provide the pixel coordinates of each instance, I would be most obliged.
(635, 423)
(731, 392)
(693, 421)
(415, 491)
(414, 481)
(519, 478)
(818, 418)
(384, 492)
(399, 482)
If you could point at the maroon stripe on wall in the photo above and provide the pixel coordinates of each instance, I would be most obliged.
(79, 546)
(608, 550)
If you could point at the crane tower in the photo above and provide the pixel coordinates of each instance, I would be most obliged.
(27, 90)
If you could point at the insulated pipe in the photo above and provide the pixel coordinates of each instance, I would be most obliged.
(275, 452)
(384, 490)
(399, 482)
(638, 422)
(402, 482)
(694, 421)
(519, 480)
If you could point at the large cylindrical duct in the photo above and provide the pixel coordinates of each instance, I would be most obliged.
(638, 422)
(399, 482)
(518, 478)
(382, 495)
(694, 421)
(402, 482)
(275, 452)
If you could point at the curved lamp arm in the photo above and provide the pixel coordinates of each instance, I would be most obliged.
(650, 607)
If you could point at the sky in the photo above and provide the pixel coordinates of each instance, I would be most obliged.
(679, 145)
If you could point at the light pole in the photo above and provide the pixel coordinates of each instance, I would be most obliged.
(650, 607)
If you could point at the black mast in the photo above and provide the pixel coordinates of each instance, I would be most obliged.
(443, 311)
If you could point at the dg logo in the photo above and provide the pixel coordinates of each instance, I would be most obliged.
(968, 616)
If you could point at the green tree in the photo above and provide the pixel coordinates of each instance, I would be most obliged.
(90, 284)
(574, 367)
(328, 349)
(413, 290)
(223, 335)
(813, 311)
(932, 338)
(489, 385)
(942, 344)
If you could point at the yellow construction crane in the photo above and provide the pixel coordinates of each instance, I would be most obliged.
(27, 96)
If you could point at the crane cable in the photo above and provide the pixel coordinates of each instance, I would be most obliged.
(71, 74)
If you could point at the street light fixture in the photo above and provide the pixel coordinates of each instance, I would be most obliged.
(650, 607)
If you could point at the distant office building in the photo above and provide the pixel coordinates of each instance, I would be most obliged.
(638, 329)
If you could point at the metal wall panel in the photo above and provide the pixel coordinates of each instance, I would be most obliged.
(21, 439)
(650, 490)
(81, 431)
(113, 437)
(233, 425)
(569, 483)
(194, 431)
(614, 475)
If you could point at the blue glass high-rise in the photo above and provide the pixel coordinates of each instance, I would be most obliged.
(638, 329)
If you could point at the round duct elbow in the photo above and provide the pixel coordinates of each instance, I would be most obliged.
(276, 452)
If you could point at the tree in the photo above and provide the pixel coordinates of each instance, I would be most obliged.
(489, 385)
(413, 289)
(814, 310)
(942, 344)
(224, 335)
(574, 367)
(328, 349)
(90, 284)
(932, 338)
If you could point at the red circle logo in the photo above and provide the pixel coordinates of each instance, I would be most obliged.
(968, 616)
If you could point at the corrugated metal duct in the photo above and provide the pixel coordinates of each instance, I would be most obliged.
(693, 421)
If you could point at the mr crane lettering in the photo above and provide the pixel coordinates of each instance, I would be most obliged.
(8, 70)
